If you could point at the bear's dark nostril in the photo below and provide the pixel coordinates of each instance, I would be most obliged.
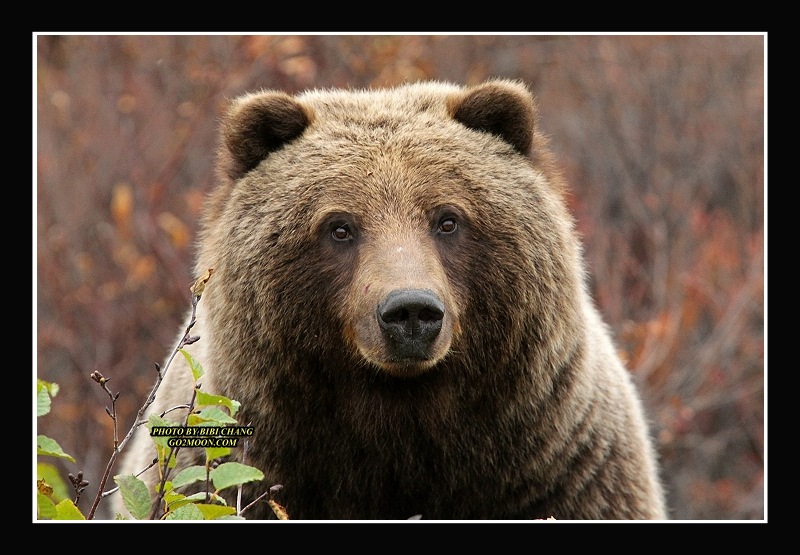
(430, 314)
(410, 319)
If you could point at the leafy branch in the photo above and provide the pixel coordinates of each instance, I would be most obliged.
(197, 291)
(204, 416)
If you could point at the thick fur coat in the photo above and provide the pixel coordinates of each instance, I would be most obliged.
(399, 304)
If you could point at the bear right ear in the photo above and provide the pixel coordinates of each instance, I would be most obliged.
(257, 124)
(501, 107)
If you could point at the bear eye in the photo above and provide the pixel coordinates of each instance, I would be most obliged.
(341, 233)
(447, 225)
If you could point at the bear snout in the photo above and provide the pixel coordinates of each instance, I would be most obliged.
(410, 320)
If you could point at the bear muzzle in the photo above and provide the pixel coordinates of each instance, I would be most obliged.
(410, 320)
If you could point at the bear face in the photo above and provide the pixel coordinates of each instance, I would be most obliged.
(388, 201)
(399, 304)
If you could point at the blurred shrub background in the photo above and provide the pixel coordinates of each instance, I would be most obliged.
(661, 139)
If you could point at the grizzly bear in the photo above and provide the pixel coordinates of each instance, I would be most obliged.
(399, 304)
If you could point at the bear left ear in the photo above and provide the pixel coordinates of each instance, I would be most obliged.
(258, 124)
(503, 108)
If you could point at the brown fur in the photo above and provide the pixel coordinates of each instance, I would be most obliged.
(516, 408)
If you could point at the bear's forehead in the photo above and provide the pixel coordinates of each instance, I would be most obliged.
(374, 169)
(384, 149)
(384, 188)
(368, 176)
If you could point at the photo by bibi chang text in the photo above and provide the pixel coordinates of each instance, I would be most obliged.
(202, 436)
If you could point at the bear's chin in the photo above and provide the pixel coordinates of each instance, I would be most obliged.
(410, 360)
(405, 368)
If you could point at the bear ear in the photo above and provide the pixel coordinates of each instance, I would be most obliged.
(258, 124)
(503, 108)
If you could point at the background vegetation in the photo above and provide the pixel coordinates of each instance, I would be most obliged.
(661, 139)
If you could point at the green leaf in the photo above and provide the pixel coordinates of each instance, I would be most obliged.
(175, 500)
(197, 370)
(232, 474)
(215, 414)
(195, 420)
(204, 399)
(201, 497)
(45, 507)
(66, 510)
(173, 460)
(52, 388)
(44, 391)
(231, 517)
(51, 475)
(42, 401)
(134, 495)
(156, 420)
(51, 448)
(167, 487)
(213, 512)
(186, 512)
(217, 452)
(190, 475)
(170, 495)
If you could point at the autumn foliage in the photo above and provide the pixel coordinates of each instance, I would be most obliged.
(661, 139)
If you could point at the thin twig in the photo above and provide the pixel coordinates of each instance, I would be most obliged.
(256, 500)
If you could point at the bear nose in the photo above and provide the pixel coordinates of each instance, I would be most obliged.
(410, 320)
